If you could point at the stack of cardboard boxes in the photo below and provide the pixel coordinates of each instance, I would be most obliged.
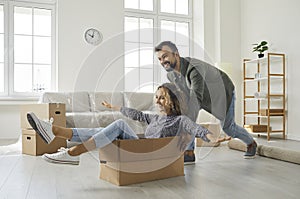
(32, 143)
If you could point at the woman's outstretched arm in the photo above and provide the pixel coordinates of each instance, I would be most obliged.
(130, 112)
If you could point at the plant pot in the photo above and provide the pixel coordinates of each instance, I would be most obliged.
(260, 55)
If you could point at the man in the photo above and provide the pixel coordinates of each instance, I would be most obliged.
(208, 88)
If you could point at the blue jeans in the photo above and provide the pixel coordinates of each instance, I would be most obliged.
(119, 129)
(230, 127)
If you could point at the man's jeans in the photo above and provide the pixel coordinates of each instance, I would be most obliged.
(230, 127)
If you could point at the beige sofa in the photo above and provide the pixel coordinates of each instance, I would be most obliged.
(84, 109)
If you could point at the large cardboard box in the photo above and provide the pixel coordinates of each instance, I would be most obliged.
(33, 144)
(215, 129)
(57, 111)
(127, 162)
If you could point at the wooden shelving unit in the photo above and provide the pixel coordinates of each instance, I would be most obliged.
(265, 94)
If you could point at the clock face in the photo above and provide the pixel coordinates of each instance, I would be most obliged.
(93, 36)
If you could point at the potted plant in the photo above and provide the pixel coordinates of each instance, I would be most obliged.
(261, 47)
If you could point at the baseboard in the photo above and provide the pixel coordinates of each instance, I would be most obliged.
(293, 137)
(7, 141)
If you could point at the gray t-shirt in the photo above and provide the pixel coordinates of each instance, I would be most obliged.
(166, 126)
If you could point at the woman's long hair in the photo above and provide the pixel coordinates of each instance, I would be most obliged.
(176, 98)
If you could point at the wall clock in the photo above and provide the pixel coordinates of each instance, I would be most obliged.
(93, 36)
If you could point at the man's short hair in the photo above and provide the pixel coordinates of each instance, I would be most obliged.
(171, 45)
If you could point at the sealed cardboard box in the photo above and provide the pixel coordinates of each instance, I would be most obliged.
(57, 111)
(273, 111)
(33, 144)
(253, 128)
(127, 162)
(215, 129)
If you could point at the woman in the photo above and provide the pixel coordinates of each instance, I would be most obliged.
(169, 122)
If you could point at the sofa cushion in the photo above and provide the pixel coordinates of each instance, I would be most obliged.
(101, 119)
(96, 98)
(139, 101)
(75, 101)
(91, 119)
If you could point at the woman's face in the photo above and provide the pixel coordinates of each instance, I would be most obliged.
(163, 102)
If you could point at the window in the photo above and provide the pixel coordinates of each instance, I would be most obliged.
(146, 23)
(139, 4)
(27, 34)
(139, 54)
(175, 6)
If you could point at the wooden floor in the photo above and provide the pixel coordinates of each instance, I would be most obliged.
(218, 173)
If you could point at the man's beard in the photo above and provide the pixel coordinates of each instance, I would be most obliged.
(172, 66)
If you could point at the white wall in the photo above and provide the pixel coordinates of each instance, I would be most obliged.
(277, 22)
(230, 48)
(9, 121)
(222, 42)
(82, 66)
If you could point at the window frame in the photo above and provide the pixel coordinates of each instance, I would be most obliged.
(138, 16)
(189, 16)
(157, 16)
(6, 38)
(9, 47)
(180, 20)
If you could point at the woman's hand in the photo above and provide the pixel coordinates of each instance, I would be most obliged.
(108, 105)
(223, 139)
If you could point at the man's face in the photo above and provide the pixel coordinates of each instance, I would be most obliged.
(167, 58)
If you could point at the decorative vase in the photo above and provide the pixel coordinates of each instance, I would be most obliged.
(260, 55)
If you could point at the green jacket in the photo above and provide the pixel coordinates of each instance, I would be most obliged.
(208, 87)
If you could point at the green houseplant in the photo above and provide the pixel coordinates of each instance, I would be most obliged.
(261, 47)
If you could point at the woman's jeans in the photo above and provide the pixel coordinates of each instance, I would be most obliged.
(230, 127)
(119, 129)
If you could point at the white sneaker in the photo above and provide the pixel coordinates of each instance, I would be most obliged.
(61, 157)
(44, 129)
